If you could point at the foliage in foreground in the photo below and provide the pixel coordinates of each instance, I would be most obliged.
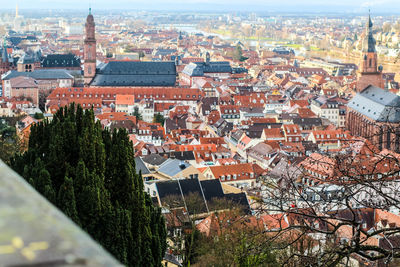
(89, 173)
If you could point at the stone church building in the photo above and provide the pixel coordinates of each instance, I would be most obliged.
(123, 73)
(374, 113)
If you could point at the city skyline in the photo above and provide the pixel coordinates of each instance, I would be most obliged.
(358, 6)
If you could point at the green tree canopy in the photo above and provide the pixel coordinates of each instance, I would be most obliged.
(89, 173)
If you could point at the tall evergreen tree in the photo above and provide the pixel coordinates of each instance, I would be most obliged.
(66, 199)
(93, 171)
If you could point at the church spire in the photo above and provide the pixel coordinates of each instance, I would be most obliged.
(4, 56)
(369, 41)
(369, 72)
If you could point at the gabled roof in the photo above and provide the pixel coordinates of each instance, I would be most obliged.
(377, 104)
(207, 192)
(171, 167)
(61, 61)
(140, 166)
(40, 74)
(136, 73)
(154, 159)
(199, 68)
(124, 100)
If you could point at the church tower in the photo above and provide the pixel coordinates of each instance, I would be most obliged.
(369, 72)
(89, 49)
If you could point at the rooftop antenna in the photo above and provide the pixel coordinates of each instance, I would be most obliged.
(90, 10)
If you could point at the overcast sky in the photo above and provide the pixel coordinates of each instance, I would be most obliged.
(348, 6)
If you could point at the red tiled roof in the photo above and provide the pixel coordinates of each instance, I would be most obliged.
(124, 100)
(242, 171)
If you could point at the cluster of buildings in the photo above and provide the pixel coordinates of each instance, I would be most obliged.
(206, 123)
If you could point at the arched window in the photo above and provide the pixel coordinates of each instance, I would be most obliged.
(370, 62)
(90, 69)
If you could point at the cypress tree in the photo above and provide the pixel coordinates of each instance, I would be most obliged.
(44, 186)
(93, 171)
(66, 199)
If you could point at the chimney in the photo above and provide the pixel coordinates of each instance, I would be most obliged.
(182, 165)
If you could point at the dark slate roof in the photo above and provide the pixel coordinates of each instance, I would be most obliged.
(240, 199)
(172, 259)
(26, 217)
(60, 61)
(199, 68)
(135, 73)
(223, 127)
(377, 104)
(181, 155)
(190, 187)
(168, 188)
(239, 70)
(171, 124)
(140, 166)
(207, 190)
(40, 74)
(212, 189)
(307, 121)
(154, 159)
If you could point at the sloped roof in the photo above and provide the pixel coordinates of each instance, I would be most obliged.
(136, 73)
(154, 159)
(61, 61)
(171, 167)
(140, 166)
(377, 104)
(199, 68)
(40, 74)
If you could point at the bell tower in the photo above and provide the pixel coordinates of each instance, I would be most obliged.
(369, 72)
(89, 49)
